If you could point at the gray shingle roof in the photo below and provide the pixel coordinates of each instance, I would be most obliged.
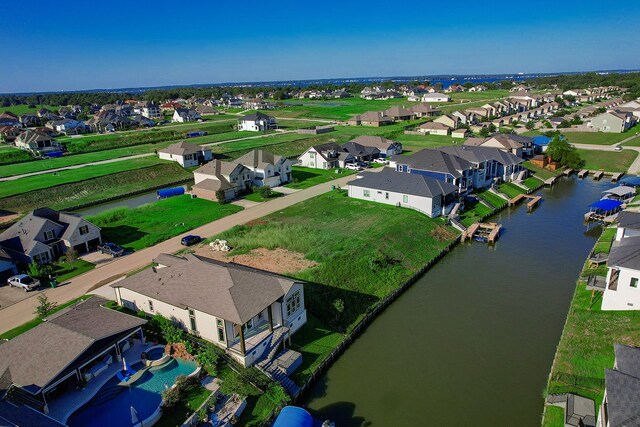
(436, 161)
(183, 147)
(378, 142)
(625, 253)
(623, 395)
(255, 116)
(405, 183)
(359, 150)
(628, 219)
(477, 155)
(37, 356)
(258, 159)
(228, 291)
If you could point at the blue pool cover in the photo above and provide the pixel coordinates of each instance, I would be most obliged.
(170, 192)
(292, 416)
(633, 181)
(606, 204)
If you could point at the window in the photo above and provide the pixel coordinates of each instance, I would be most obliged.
(405, 199)
(634, 282)
(220, 324)
(150, 305)
(293, 303)
(49, 235)
(247, 326)
(366, 193)
(192, 320)
(386, 195)
(41, 258)
(84, 229)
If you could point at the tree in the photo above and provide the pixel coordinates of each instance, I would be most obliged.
(467, 85)
(170, 332)
(265, 191)
(71, 256)
(564, 153)
(530, 125)
(338, 306)
(45, 306)
(484, 132)
(564, 124)
(39, 271)
(208, 356)
(221, 197)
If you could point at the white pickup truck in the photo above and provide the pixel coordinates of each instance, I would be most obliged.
(23, 281)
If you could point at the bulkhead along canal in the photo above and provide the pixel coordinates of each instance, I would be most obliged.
(472, 342)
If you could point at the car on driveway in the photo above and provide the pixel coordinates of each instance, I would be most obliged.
(111, 249)
(353, 167)
(381, 161)
(190, 240)
(24, 282)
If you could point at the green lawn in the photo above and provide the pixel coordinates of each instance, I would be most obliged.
(610, 161)
(308, 177)
(541, 172)
(256, 197)
(12, 333)
(178, 415)
(9, 155)
(581, 357)
(418, 142)
(95, 190)
(359, 263)
(532, 182)
(24, 109)
(493, 199)
(314, 341)
(65, 271)
(510, 189)
(476, 96)
(474, 212)
(141, 227)
(24, 185)
(597, 138)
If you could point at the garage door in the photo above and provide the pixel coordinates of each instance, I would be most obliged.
(4, 275)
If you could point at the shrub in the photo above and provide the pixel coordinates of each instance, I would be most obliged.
(220, 196)
(209, 356)
(170, 333)
(45, 307)
(71, 256)
(234, 383)
(265, 191)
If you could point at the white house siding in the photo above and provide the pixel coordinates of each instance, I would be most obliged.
(426, 205)
(624, 297)
(312, 159)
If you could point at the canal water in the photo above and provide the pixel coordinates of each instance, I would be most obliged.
(472, 342)
(125, 202)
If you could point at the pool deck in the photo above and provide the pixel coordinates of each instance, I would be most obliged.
(62, 407)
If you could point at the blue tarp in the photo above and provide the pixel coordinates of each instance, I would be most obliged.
(606, 205)
(55, 154)
(633, 181)
(170, 192)
(541, 140)
(292, 416)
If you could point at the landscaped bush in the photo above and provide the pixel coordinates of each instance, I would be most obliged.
(183, 386)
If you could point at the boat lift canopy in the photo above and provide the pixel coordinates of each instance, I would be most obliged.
(633, 181)
(606, 206)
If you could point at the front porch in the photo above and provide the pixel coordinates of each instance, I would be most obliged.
(63, 405)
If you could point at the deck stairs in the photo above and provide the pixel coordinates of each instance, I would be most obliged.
(454, 211)
(455, 223)
(20, 397)
(269, 366)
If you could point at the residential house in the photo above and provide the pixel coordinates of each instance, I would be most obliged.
(64, 125)
(434, 128)
(387, 147)
(621, 389)
(205, 110)
(182, 115)
(424, 110)
(612, 121)
(399, 113)
(360, 152)
(461, 133)
(516, 144)
(43, 235)
(439, 165)
(36, 141)
(435, 97)
(69, 350)
(8, 267)
(240, 309)
(463, 117)
(9, 119)
(448, 120)
(257, 122)
(491, 165)
(632, 104)
(29, 120)
(9, 134)
(370, 118)
(414, 191)
(267, 168)
(231, 178)
(148, 109)
(455, 88)
(186, 154)
(109, 121)
(325, 156)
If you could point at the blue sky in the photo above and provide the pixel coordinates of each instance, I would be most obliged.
(75, 45)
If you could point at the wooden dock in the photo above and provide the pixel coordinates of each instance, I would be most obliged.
(551, 181)
(567, 172)
(534, 201)
(616, 176)
(583, 173)
(598, 175)
(488, 232)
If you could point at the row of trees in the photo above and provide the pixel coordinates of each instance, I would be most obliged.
(630, 81)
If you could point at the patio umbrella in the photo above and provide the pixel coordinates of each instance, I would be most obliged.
(134, 416)
(124, 365)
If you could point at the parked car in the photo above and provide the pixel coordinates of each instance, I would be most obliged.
(618, 148)
(111, 249)
(353, 167)
(190, 240)
(381, 161)
(23, 281)
(364, 165)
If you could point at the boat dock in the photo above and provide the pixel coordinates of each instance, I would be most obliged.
(616, 176)
(551, 180)
(598, 175)
(583, 173)
(486, 232)
(533, 202)
(567, 172)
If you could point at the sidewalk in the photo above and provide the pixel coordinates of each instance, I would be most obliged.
(22, 312)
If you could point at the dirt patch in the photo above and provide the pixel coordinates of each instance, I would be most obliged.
(256, 222)
(278, 261)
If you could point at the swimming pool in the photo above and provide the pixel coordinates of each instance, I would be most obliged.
(111, 406)
(155, 353)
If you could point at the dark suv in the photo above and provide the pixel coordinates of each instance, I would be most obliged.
(111, 249)
(190, 240)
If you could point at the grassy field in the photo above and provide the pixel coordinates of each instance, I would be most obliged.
(24, 185)
(510, 189)
(610, 161)
(24, 109)
(308, 177)
(141, 227)
(473, 212)
(10, 155)
(478, 96)
(597, 138)
(541, 172)
(97, 189)
(417, 142)
(582, 357)
(335, 109)
(256, 197)
(532, 182)
(493, 199)
(65, 271)
(360, 263)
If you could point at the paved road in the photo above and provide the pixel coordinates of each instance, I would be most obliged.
(22, 311)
